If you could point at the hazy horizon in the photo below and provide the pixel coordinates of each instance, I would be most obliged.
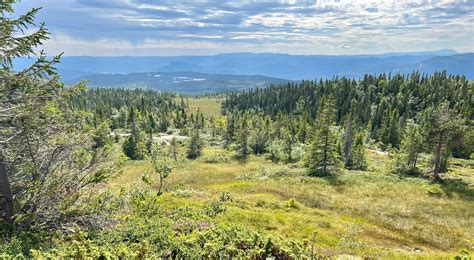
(427, 52)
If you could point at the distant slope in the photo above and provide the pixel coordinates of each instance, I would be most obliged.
(294, 67)
(184, 82)
(176, 66)
(461, 63)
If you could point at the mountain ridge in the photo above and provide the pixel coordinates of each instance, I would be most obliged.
(277, 65)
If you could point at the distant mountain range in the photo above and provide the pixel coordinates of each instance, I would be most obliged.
(183, 82)
(238, 70)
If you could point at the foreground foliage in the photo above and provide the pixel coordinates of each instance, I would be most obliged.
(223, 207)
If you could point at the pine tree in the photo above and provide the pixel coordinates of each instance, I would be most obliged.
(322, 156)
(441, 126)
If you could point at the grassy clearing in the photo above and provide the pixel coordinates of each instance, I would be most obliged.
(372, 213)
(209, 106)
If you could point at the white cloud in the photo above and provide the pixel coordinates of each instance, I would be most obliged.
(135, 27)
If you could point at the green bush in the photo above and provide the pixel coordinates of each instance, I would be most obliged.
(140, 227)
(266, 172)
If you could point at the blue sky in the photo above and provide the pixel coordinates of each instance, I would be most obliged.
(145, 27)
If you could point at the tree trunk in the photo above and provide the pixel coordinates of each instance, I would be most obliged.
(439, 146)
(415, 161)
(6, 196)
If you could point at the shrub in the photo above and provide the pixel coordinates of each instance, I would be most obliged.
(435, 190)
(291, 204)
(214, 207)
(244, 176)
(266, 172)
(218, 158)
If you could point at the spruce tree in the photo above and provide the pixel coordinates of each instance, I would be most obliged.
(288, 142)
(358, 158)
(242, 138)
(48, 153)
(322, 156)
(229, 131)
(195, 144)
(257, 137)
(134, 145)
(174, 143)
(410, 148)
(348, 139)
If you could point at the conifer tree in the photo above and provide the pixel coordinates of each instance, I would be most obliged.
(229, 131)
(242, 138)
(101, 135)
(47, 152)
(302, 127)
(358, 159)
(195, 144)
(257, 137)
(441, 126)
(288, 142)
(411, 147)
(348, 139)
(174, 143)
(134, 145)
(322, 156)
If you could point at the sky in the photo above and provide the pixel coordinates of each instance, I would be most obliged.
(204, 27)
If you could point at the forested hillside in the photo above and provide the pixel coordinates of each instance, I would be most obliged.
(192, 83)
(382, 105)
(377, 167)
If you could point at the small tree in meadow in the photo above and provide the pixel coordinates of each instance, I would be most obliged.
(161, 166)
